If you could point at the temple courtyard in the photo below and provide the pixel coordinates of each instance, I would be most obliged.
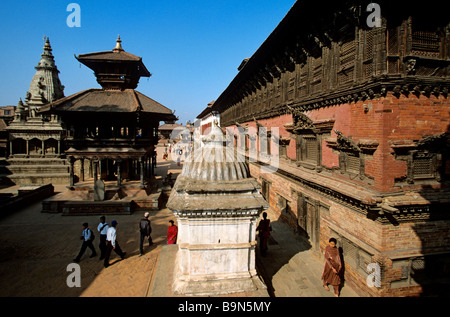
(36, 248)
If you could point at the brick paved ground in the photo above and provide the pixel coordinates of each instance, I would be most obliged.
(35, 249)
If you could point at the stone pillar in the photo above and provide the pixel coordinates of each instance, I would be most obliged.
(119, 173)
(71, 171)
(82, 170)
(43, 148)
(59, 147)
(141, 163)
(28, 147)
(94, 166)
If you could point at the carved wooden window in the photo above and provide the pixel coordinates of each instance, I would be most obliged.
(291, 87)
(265, 189)
(283, 150)
(423, 166)
(426, 41)
(347, 62)
(353, 163)
(302, 83)
(368, 54)
(423, 270)
(308, 149)
(316, 81)
(311, 149)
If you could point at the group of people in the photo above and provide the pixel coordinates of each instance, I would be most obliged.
(108, 238)
(331, 273)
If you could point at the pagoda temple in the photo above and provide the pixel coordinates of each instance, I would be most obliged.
(111, 131)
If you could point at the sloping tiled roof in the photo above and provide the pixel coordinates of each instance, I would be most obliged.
(169, 126)
(99, 100)
(109, 55)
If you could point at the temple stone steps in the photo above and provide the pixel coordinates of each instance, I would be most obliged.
(24, 171)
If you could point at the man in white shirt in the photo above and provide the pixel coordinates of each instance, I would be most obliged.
(87, 237)
(112, 244)
(102, 228)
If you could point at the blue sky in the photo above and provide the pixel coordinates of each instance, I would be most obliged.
(192, 48)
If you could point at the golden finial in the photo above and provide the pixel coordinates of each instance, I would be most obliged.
(118, 47)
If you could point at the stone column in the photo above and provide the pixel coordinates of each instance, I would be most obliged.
(28, 147)
(43, 148)
(119, 175)
(94, 166)
(141, 163)
(71, 172)
(82, 169)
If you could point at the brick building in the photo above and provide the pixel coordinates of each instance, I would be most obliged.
(364, 120)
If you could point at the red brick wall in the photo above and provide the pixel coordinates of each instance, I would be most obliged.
(388, 119)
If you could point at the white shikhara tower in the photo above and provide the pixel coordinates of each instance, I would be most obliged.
(45, 86)
(35, 140)
(217, 204)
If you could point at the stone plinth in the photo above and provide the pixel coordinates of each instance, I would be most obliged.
(217, 204)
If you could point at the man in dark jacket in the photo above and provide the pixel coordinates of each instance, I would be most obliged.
(145, 230)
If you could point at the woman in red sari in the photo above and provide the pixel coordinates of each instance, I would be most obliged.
(332, 267)
(172, 233)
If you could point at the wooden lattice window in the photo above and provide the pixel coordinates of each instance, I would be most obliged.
(308, 149)
(265, 189)
(311, 149)
(347, 62)
(423, 167)
(353, 163)
(425, 41)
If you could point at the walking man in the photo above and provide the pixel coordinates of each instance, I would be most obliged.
(145, 229)
(112, 244)
(102, 229)
(87, 237)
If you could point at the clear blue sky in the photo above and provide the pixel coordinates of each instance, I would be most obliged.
(191, 47)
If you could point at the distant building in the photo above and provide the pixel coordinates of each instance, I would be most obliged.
(364, 150)
(166, 130)
(7, 112)
(6, 116)
(207, 118)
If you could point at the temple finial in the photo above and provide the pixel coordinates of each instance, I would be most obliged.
(47, 46)
(118, 47)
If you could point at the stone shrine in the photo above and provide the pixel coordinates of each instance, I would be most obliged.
(217, 205)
